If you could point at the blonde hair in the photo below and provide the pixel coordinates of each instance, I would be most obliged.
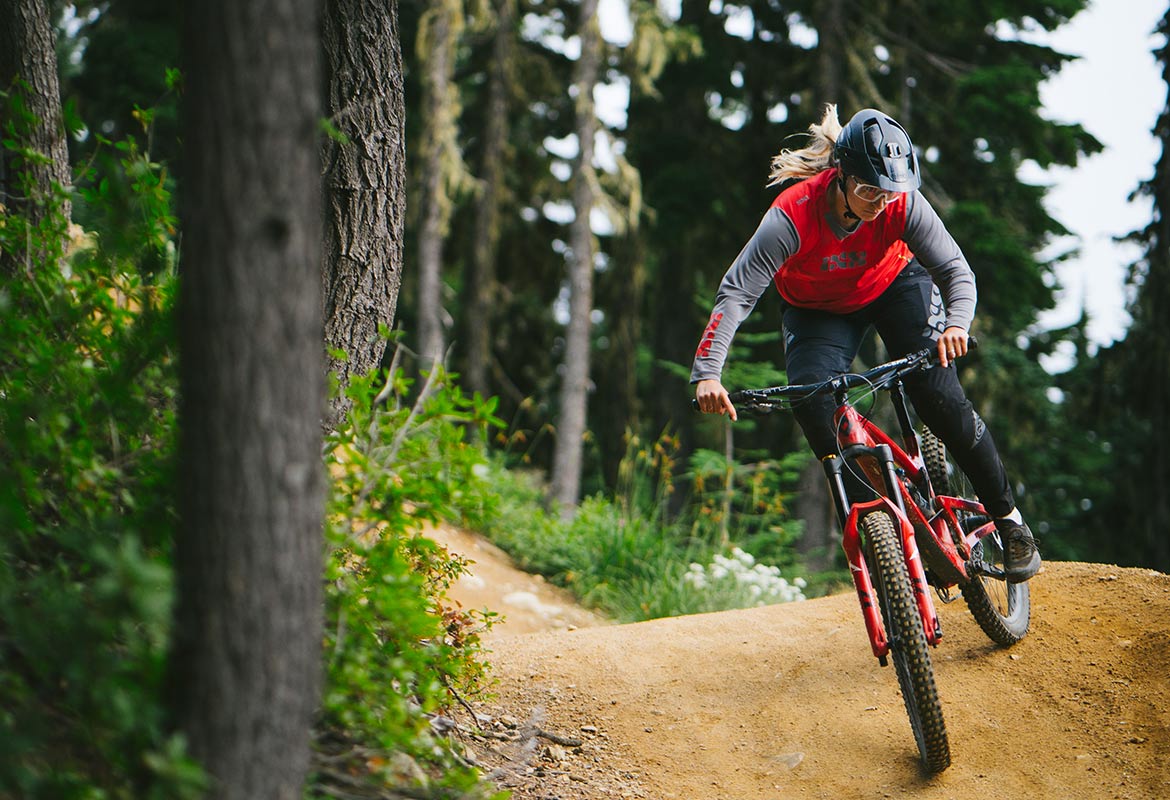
(816, 157)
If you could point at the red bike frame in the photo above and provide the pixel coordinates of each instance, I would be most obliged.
(946, 544)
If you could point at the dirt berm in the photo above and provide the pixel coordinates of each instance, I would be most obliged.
(787, 701)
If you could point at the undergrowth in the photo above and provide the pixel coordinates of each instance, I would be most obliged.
(399, 657)
(628, 557)
(88, 424)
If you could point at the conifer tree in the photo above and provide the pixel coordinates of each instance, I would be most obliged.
(1143, 402)
(364, 185)
(571, 421)
(246, 660)
(28, 70)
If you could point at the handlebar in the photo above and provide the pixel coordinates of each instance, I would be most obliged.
(878, 377)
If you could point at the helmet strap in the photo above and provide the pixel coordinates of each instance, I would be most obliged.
(845, 197)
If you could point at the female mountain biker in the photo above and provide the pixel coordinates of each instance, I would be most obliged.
(850, 243)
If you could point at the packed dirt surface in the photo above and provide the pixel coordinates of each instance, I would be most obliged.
(787, 701)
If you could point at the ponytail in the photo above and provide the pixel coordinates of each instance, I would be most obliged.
(816, 157)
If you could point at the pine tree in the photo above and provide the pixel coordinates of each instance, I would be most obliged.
(28, 70)
(1143, 400)
(246, 659)
(571, 421)
(364, 185)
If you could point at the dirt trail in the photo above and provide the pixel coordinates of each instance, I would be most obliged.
(787, 702)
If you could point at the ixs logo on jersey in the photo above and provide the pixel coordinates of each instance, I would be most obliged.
(852, 260)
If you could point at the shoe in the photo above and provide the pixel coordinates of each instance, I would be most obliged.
(1021, 559)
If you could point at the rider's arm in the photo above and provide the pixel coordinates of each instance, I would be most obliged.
(938, 251)
(746, 280)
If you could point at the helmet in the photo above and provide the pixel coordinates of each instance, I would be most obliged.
(875, 149)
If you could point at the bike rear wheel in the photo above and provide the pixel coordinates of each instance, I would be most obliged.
(1002, 610)
(908, 646)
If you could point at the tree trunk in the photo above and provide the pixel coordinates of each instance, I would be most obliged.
(829, 20)
(365, 180)
(813, 504)
(28, 54)
(436, 88)
(623, 287)
(482, 283)
(244, 670)
(568, 454)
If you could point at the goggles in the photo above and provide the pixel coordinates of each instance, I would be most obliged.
(872, 194)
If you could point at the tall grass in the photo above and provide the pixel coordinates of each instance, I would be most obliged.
(627, 556)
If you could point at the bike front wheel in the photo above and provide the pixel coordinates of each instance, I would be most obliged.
(1002, 610)
(908, 646)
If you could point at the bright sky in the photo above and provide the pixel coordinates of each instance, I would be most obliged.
(1116, 92)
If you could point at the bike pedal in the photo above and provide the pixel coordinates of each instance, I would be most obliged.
(977, 567)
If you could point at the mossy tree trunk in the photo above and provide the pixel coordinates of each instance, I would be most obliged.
(481, 294)
(569, 452)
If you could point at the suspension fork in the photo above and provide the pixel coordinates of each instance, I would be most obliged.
(850, 516)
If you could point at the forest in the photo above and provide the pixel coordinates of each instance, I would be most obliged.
(283, 282)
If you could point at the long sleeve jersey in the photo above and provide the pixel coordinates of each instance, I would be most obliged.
(814, 263)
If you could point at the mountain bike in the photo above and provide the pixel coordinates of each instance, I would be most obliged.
(923, 528)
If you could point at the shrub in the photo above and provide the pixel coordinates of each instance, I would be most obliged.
(87, 390)
(625, 555)
(398, 653)
(87, 479)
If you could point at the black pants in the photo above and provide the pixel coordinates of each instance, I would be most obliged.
(909, 317)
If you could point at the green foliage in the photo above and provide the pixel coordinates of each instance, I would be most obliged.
(87, 485)
(122, 59)
(626, 555)
(397, 652)
(86, 474)
(747, 502)
(1117, 400)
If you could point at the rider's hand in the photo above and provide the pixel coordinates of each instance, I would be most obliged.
(951, 345)
(713, 398)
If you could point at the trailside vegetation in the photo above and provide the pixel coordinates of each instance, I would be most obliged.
(676, 513)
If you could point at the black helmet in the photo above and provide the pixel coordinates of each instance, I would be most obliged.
(875, 149)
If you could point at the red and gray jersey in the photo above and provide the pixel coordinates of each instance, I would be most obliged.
(814, 263)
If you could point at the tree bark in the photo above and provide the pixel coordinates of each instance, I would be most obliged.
(813, 504)
(569, 451)
(482, 284)
(829, 20)
(244, 669)
(365, 186)
(436, 88)
(28, 55)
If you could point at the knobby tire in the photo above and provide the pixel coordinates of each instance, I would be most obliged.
(1002, 610)
(908, 646)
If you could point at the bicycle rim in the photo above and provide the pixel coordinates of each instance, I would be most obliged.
(908, 646)
(1002, 610)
